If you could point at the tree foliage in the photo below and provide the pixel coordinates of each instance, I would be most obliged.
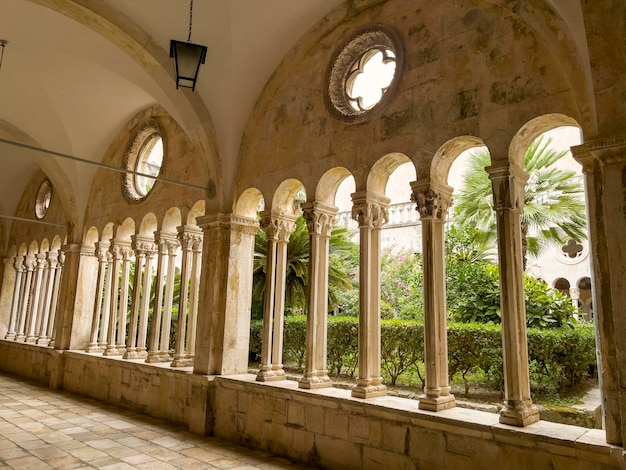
(553, 202)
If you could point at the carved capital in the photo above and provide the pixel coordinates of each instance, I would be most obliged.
(508, 183)
(277, 227)
(19, 264)
(370, 210)
(319, 218)
(432, 199)
(30, 262)
(143, 245)
(102, 251)
(189, 237)
(166, 242)
(236, 223)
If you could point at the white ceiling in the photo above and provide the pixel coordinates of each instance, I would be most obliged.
(71, 90)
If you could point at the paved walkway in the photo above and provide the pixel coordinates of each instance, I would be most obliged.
(42, 428)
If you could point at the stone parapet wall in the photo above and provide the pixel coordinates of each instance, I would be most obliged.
(324, 427)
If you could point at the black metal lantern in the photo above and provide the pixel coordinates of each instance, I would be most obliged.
(187, 58)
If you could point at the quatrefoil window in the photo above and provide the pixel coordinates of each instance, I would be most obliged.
(363, 74)
(572, 249)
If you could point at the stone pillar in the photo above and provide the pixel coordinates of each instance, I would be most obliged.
(7, 293)
(103, 336)
(186, 237)
(370, 211)
(127, 253)
(150, 251)
(140, 245)
(223, 330)
(116, 261)
(319, 219)
(172, 251)
(40, 265)
(278, 228)
(53, 261)
(574, 293)
(17, 296)
(72, 318)
(102, 249)
(508, 201)
(194, 288)
(433, 200)
(30, 263)
(604, 168)
(162, 311)
(56, 288)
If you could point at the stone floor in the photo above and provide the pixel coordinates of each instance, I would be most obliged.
(42, 428)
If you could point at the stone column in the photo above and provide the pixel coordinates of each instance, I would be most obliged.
(223, 330)
(186, 235)
(140, 245)
(278, 228)
(103, 336)
(17, 296)
(43, 294)
(319, 219)
(53, 261)
(102, 249)
(194, 287)
(145, 302)
(157, 310)
(72, 318)
(508, 201)
(33, 309)
(30, 263)
(574, 293)
(604, 168)
(172, 251)
(7, 293)
(56, 288)
(127, 253)
(116, 261)
(370, 211)
(433, 200)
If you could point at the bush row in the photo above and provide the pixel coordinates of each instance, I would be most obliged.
(559, 357)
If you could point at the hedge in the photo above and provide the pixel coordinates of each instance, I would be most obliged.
(559, 357)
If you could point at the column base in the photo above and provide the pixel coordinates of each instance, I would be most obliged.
(10, 336)
(112, 351)
(20, 337)
(43, 341)
(270, 375)
(436, 403)
(369, 391)
(131, 354)
(520, 416)
(314, 382)
(93, 347)
(155, 357)
(181, 361)
(30, 339)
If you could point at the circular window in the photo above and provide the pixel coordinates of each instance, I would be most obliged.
(144, 157)
(363, 72)
(42, 202)
(572, 252)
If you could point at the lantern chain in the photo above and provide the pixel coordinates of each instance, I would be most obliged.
(190, 19)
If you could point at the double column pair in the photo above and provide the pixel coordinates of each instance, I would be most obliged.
(35, 294)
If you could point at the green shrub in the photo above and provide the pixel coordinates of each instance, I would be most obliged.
(402, 347)
(559, 357)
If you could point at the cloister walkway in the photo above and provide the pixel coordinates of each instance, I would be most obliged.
(42, 429)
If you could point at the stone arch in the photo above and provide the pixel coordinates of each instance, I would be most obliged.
(525, 136)
(197, 210)
(57, 242)
(188, 108)
(385, 166)
(282, 202)
(148, 225)
(45, 246)
(125, 230)
(23, 250)
(562, 284)
(328, 184)
(584, 283)
(446, 155)
(171, 220)
(248, 202)
(107, 232)
(33, 248)
(91, 237)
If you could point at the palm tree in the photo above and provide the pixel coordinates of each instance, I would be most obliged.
(340, 248)
(553, 203)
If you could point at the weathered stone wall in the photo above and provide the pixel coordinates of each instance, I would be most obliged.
(470, 68)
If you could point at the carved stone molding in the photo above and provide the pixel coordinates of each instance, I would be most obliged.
(431, 200)
(319, 217)
(508, 183)
(370, 210)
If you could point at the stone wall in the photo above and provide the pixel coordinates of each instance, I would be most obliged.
(324, 427)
